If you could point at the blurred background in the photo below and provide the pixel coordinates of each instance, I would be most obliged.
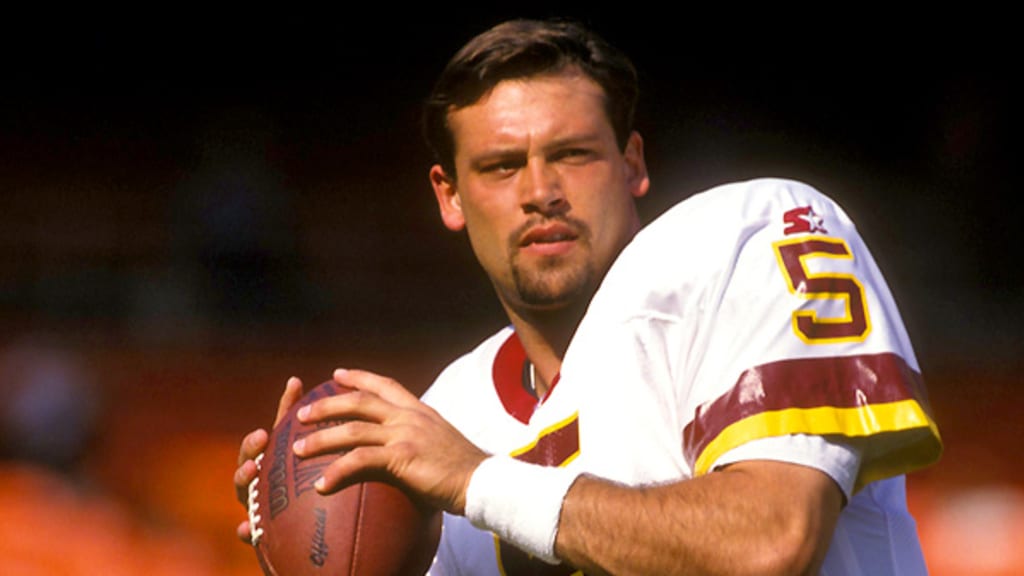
(195, 206)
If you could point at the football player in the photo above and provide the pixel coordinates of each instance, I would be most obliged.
(728, 390)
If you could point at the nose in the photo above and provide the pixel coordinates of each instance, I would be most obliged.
(541, 189)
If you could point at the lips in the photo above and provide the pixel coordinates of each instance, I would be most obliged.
(548, 234)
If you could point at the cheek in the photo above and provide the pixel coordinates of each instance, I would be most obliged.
(487, 218)
(486, 240)
(618, 223)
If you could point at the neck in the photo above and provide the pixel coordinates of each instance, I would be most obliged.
(545, 336)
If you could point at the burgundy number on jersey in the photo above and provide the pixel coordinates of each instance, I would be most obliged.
(855, 324)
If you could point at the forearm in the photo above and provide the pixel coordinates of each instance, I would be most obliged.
(769, 518)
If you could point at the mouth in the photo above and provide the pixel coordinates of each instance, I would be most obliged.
(549, 234)
(550, 239)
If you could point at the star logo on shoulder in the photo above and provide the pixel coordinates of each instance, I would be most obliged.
(803, 220)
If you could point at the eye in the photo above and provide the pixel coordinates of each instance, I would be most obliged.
(573, 155)
(502, 167)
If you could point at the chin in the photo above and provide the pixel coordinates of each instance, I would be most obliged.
(552, 298)
(555, 287)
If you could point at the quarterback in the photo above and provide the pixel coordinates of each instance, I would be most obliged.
(728, 390)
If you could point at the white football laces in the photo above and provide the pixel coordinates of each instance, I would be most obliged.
(254, 507)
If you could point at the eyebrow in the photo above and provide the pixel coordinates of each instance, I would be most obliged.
(510, 152)
(573, 140)
(492, 156)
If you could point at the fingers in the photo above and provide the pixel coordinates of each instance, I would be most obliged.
(374, 398)
(253, 443)
(384, 387)
(381, 430)
(244, 474)
(256, 441)
(357, 405)
(244, 532)
(440, 480)
(343, 470)
(292, 394)
(342, 437)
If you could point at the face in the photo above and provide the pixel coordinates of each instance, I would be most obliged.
(543, 190)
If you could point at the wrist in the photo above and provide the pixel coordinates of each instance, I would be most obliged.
(520, 502)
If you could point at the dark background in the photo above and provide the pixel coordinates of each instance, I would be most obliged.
(241, 168)
(197, 205)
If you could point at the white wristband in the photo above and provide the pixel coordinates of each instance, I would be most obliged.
(519, 502)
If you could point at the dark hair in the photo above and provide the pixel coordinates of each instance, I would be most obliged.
(520, 49)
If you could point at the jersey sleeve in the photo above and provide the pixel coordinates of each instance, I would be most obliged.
(839, 460)
(754, 311)
(803, 337)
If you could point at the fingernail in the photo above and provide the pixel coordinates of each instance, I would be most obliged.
(340, 372)
(303, 412)
(298, 445)
(319, 484)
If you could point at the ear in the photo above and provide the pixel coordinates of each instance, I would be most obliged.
(638, 179)
(448, 199)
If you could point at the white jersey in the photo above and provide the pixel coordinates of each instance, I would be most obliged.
(749, 321)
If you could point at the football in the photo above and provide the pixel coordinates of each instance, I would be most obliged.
(369, 528)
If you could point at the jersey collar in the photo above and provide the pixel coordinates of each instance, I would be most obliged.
(511, 380)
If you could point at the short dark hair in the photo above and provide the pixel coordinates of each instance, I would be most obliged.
(521, 49)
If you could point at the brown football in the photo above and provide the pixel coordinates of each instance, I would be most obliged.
(370, 528)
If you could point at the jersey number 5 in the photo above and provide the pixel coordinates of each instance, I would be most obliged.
(855, 324)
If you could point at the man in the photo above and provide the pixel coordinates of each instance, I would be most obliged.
(738, 397)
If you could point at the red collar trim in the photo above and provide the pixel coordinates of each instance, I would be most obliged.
(507, 374)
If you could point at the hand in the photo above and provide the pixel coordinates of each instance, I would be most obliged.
(253, 444)
(387, 429)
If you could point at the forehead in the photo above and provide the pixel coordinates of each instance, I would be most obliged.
(534, 107)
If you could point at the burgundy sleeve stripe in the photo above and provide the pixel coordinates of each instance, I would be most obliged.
(556, 445)
(852, 396)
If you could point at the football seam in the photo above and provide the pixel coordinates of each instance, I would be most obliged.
(354, 566)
